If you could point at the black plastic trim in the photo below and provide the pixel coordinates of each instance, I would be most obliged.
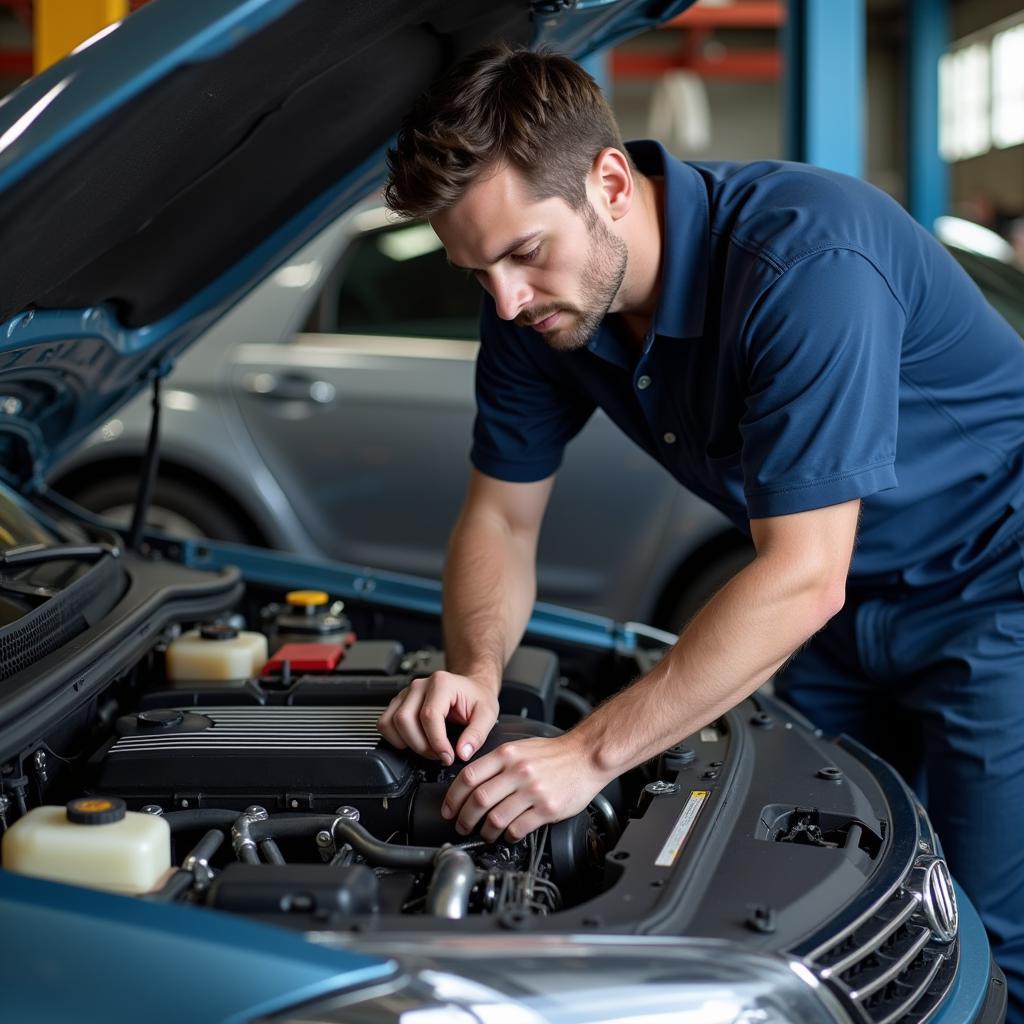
(993, 1010)
(158, 594)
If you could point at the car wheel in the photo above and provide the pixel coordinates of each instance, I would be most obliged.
(704, 584)
(175, 508)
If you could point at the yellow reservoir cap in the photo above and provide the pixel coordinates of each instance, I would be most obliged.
(306, 598)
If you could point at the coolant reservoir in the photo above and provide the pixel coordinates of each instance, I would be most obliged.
(93, 842)
(216, 652)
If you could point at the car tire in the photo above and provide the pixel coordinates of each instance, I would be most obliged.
(704, 584)
(175, 507)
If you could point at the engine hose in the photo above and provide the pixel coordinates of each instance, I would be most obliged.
(383, 854)
(176, 886)
(246, 834)
(571, 699)
(271, 852)
(451, 884)
(604, 808)
(201, 817)
(194, 871)
(204, 849)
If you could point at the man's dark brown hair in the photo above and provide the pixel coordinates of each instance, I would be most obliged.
(540, 112)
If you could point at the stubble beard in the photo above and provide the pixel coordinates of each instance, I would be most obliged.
(601, 279)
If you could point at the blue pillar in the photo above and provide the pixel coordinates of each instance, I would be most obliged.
(825, 83)
(927, 174)
(598, 66)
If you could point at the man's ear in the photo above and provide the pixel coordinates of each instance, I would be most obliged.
(610, 183)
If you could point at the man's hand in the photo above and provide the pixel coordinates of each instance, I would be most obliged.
(416, 717)
(523, 785)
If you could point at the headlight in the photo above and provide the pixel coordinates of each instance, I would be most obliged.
(559, 980)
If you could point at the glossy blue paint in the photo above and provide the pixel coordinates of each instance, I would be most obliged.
(971, 986)
(825, 68)
(593, 25)
(78, 955)
(927, 173)
(395, 590)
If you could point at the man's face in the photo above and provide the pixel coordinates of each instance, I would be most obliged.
(545, 265)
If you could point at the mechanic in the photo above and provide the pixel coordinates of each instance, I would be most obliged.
(795, 349)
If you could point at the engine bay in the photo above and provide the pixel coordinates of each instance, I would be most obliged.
(279, 794)
(230, 732)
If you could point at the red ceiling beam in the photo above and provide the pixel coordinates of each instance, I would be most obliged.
(750, 65)
(752, 14)
(16, 63)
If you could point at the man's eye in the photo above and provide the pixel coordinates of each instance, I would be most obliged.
(528, 257)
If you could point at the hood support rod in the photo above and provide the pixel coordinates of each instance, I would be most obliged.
(147, 473)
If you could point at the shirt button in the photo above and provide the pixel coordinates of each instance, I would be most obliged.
(669, 438)
(643, 383)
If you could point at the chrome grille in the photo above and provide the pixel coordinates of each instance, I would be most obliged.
(262, 728)
(893, 965)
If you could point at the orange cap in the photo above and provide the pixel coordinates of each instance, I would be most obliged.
(306, 598)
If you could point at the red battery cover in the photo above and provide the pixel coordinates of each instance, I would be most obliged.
(305, 658)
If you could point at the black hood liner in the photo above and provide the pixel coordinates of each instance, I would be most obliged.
(169, 191)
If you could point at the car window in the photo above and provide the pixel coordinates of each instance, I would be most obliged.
(397, 281)
(1000, 283)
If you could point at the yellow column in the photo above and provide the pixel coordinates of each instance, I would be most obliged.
(60, 25)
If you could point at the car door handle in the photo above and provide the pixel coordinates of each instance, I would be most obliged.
(290, 387)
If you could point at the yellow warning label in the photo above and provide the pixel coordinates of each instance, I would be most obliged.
(683, 825)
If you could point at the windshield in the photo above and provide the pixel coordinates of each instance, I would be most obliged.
(1001, 283)
(18, 525)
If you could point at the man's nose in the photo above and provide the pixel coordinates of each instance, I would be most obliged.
(510, 292)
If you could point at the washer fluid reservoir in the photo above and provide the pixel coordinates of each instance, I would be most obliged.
(94, 842)
(216, 652)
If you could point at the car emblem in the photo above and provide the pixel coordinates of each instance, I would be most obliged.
(938, 900)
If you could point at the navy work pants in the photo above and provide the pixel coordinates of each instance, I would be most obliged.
(932, 679)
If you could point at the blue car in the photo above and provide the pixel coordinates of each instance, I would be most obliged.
(200, 820)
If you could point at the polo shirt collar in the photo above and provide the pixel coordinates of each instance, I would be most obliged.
(684, 255)
(685, 241)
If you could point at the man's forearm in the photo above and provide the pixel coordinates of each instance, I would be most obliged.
(489, 590)
(743, 635)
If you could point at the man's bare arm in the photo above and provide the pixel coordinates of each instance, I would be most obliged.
(745, 633)
(489, 591)
(490, 574)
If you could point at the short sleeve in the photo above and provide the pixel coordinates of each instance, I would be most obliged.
(528, 405)
(822, 351)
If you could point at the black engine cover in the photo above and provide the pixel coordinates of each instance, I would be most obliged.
(296, 757)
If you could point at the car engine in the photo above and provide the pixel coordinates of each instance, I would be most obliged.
(281, 796)
(201, 740)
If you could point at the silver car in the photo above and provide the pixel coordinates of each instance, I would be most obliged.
(330, 413)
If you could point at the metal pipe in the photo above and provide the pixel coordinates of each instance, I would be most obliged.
(242, 841)
(451, 884)
(198, 861)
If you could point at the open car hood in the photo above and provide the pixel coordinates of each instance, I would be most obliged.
(153, 177)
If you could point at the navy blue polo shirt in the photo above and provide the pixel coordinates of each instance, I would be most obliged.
(811, 344)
